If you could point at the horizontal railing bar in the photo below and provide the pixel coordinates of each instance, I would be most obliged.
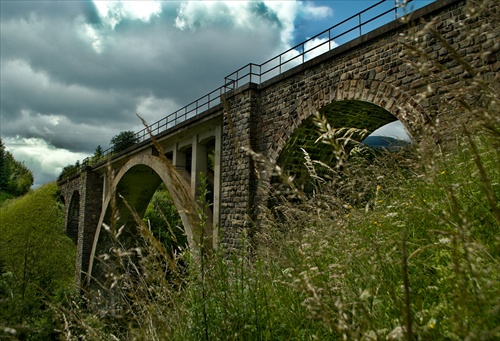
(248, 72)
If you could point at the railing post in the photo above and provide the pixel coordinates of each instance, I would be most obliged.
(359, 21)
(329, 40)
(231, 84)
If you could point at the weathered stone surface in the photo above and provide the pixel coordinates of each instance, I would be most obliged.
(263, 117)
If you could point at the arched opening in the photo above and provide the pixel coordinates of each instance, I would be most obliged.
(356, 114)
(210, 175)
(164, 222)
(133, 187)
(73, 217)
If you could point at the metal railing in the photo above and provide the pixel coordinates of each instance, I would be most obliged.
(259, 73)
(310, 48)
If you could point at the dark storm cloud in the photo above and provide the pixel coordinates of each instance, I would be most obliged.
(74, 74)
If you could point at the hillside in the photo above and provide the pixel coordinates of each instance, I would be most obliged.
(15, 178)
(36, 261)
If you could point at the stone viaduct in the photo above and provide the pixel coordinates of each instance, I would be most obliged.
(367, 73)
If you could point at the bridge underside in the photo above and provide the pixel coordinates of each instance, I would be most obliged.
(364, 84)
(359, 115)
(128, 198)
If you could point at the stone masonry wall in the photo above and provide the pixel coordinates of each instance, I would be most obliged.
(88, 186)
(262, 117)
(90, 211)
(67, 191)
(373, 69)
(238, 184)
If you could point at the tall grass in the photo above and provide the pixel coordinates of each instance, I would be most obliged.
(393, 246)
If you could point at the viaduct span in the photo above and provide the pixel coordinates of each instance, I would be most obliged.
(261, 108)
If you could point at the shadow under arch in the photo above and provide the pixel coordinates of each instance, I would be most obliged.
(340, 114)
(136, 182)
(355, 103)
(401, 105)
(73, 217)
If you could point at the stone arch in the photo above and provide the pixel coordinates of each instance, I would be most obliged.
(73, 217)
(400, 104)
(151, 170)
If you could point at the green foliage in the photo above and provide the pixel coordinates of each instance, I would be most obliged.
(4, 176)
(98, 155)
(164, 221)
(37, 260)
(387, 242)
(20, 177)
(15, 177)
(123, 140)
(68, 171)
(389, 246)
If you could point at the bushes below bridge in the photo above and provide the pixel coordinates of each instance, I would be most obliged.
(389, 248)
(37, 263)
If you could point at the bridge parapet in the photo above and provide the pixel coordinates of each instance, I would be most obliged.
(339, 34)
(262, 117)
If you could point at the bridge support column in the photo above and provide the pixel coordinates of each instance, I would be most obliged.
(217, 184)
(239, 183)
(92, 185)
(198, 166)
(178, 157)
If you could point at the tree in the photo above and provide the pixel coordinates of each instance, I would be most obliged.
(123, 140)
(98, 155)
(20, 178)
(4, 176)
(68, 171)
(163, 219)
(36, 257)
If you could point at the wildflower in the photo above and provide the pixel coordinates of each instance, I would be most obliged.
(443, 172)
(432, 323)
(396, 334)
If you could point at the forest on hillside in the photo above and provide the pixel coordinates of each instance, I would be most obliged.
(396, 245)
(15, 178)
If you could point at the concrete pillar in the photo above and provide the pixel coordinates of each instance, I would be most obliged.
(198, 165)
(104, 187)
(178, 157)
(217, 184)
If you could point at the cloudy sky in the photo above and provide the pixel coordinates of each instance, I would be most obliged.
(74, 73)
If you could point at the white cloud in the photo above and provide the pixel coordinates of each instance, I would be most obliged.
(249, 15)
(317, 46)
(394, 129)
(317, 12)
(56, 88)
(151, 108)
(43, 159)
(112, 12)
(292, 58)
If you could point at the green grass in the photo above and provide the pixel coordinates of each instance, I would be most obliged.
(5, 197)
(401, 246)
(36, 264)
(414, 256)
